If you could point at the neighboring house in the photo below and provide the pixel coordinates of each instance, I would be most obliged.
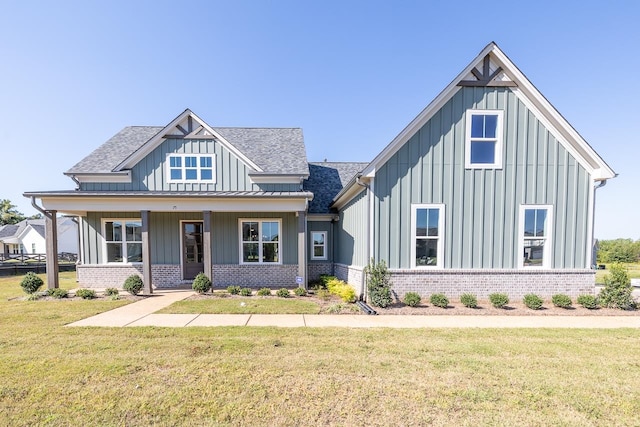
(488, 190)
(28, 237)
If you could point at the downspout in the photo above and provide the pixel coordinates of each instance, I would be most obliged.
(593, 224)
(73, 177)
(38, 208)
(363, 288)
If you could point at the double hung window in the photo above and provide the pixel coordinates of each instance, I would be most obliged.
(192, 168)
(318, 245)
(123, 240)
(535, 234)
(427, 225)
(483, 145)
(260, 241)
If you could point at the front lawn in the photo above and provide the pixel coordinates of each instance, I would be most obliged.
(57, 376)
(238, 305)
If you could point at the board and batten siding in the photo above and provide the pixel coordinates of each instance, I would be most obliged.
(351, 232)
(150, 173)
(481, 227)
(165, 235)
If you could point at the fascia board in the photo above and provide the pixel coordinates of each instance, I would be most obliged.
(276, 179)
(112, 177)
(322, 217)
(344, 198)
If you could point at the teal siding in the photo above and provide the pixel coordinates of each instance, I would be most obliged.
(320, 226)
(482, 206)
(150, 172)
(165, 235)
(351, 232)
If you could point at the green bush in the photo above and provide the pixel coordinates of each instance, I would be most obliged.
(341, 289)
(246, 292)
(233, 290)
(323, 294)
(324, 279)
(300, 292)
(86, 293)
(439, 300)
(534, 302)
(201, 283)
(588, 301)
(133, 284)
(561, 300)
(31, 283)
(110, 292)
(498, 300)
(469, 300)
(283, 293)
(264, 292)
(33, 297)
(412, 299)
(617, 289)
(57, 293)
(378, 284)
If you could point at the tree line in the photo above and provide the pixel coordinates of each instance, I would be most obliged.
(10, 215)
(618, 250)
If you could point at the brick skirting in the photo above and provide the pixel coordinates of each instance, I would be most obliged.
(314, 270)
(255, 276)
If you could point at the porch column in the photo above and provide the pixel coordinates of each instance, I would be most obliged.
(51, 238)
(146, 254)
(207, 253)
(302, 247)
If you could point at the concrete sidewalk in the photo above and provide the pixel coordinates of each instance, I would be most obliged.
(141, 314)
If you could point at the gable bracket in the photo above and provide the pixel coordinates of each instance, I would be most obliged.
(485, 78)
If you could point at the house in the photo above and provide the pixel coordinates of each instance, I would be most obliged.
(28, 237)
(488, 189)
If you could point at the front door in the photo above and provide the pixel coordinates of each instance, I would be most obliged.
(192, 250)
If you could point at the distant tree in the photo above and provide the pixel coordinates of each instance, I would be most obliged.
(618, 250)
(9, 214)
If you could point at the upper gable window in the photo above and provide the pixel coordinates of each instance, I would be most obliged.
(483, 144)
(190, 168)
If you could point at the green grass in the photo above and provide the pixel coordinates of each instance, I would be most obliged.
(252, 305)
(633, 270)
(56, 376)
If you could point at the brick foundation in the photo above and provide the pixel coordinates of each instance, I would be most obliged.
(515, 283)
(314, 270)
(351, 275)
(255, 276)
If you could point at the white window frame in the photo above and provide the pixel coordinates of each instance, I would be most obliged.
(324, 245)
(124, 242)
(440, 247)
(548, 237)
(260, 241)
(497, 164)
(184, 168)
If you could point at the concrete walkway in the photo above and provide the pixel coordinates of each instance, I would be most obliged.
(141, 314)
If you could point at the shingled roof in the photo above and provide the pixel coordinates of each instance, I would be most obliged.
(326, 180)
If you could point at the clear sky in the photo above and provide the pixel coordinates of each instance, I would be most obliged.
(352, 74)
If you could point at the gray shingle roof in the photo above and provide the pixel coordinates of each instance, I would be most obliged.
(325, 181)
(9, 230)
(275, 151)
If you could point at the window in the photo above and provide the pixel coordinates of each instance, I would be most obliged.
(535, 226)
(190, 168)
(33, 248)
(318, 245)
(427, 227)
(123, 240)
(260, 241)
(483, 145)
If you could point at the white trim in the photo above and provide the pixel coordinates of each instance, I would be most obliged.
(371, 213)
(548, 247)
(322, 217)
(499, 151)
(183, 169)
(324, 245)
(348, 195)
(591, 206)
(276, 179)
(111, 177)
(260, 242)
(441, 230)
(181, 234)
(124, 242)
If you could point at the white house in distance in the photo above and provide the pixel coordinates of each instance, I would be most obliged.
(28, 237)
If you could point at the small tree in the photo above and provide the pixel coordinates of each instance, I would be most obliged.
(617, 289)
(201, 283)
(133, 284)
(378, 284)
(31, 283)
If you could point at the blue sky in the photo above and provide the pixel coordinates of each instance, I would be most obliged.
(352, 74)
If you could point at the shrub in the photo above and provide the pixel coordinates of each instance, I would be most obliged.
(57, 293)
(412, 299)
(201, 283)
(31, 283)
(233, 290)
(561, 300)
(111, 292)
(246, 292)
(588, 301)
(439, 300)
(264, 292)
(86, 293)
(534, 302)
(499, 300)
(323, 294)
(324, 279)
(33, 297)
(283, 293)
(133, 284)
(469, 300)
(300, 292)
(378, 284)
(617, 289)
(341, 289)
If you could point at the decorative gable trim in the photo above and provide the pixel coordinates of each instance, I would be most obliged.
(496, 66)
(187, 125)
